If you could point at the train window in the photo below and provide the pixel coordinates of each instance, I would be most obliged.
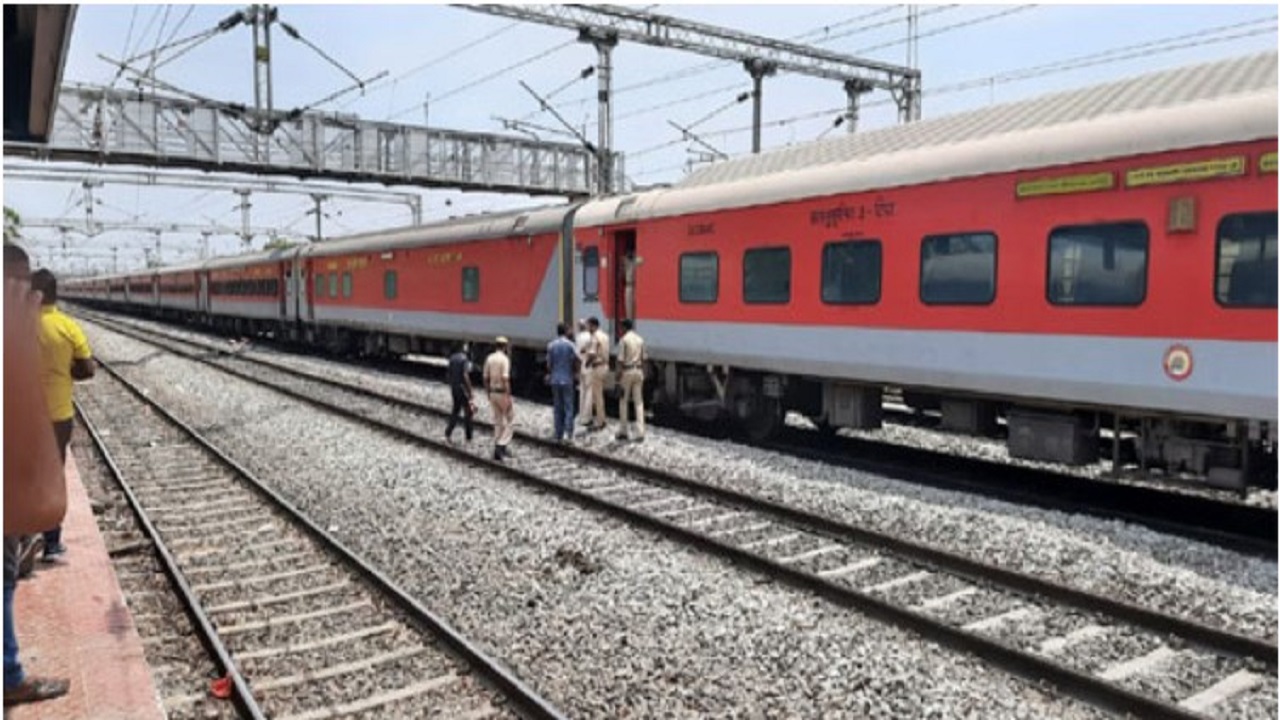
(346, 284)
(1246, 265)
(333, 285)
(591, 274)
(851, 272)
(319, 285)
(958, 269)
(389, 285)
(470, 284)
(766, 275)
(1098, 264)
(699, 277)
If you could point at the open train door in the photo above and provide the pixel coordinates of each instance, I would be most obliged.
(623, 301)
(286, 291)
(301, 285)
(311, 291)
(202, 302)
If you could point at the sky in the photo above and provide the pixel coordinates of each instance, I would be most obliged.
(469, 64)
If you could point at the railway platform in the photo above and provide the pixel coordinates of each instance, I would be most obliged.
(73, 622)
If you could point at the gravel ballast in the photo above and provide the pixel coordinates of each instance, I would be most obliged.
(603, 619)
(1114, 558)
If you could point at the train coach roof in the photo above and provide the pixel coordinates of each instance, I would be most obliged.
(235, 261)
(1206, 104)
(533, 221)
(1173, 87)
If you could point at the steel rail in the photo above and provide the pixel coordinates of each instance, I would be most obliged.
(1232, 525)
(527, 702)
(240, 693)
(1211, 637)
(1079, 684)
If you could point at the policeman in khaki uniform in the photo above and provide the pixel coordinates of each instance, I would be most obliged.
(631, 357)
(497, 384)
(597, 371)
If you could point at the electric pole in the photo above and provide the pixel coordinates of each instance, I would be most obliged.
(318, 198)
(246, 235)
(758, 69)
(261, 17)
(604, 43)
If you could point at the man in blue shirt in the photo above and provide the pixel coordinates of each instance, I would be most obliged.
(562, 366)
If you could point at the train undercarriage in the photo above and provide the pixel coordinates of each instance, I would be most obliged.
(1225, 453)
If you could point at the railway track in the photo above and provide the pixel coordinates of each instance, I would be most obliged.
(1118, 656)
(1201, 515)
(297, 626)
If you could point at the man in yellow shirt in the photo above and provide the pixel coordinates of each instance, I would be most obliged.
(65, 357)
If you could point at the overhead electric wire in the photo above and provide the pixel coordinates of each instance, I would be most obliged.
(948, 28)
(124, 49)
(712, 65)
(451, 54)
(724, 88)
(155, 13)
(490, 77)
(705, 67)
(1199, 38)
(155, 53)
(179, 25)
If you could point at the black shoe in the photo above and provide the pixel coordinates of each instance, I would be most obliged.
(497, 454)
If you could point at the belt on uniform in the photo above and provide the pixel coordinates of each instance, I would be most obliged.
(631, 366)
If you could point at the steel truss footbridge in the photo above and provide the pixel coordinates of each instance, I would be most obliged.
(127, 127)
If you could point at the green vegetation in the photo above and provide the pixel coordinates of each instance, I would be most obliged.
(12, 225)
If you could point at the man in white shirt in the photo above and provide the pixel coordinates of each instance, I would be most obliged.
(497, 384)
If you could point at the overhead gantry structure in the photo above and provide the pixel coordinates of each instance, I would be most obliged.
(605, 25)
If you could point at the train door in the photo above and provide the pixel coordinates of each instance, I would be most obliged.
(300, 287)
(283, 293)
(202, 302)
(623, 300)
(312, 292)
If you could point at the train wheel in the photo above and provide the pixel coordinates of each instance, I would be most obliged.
(763, 419)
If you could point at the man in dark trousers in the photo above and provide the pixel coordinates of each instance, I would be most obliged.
(562, 366)
(460, 385)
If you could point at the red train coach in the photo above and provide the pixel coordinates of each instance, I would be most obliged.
(177, 290)
(1099, 256)
(417, 290)
(1103, 258)
(247, 293)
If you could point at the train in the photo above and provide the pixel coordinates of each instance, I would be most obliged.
(1089, 263)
